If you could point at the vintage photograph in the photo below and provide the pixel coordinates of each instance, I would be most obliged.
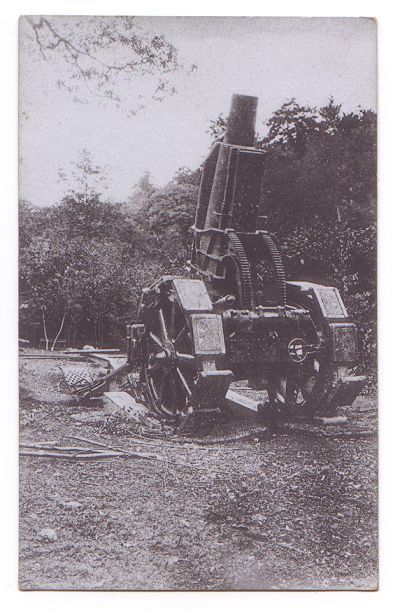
(197, 303)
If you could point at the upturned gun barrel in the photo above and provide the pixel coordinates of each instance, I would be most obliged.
(240, 128)
(230, 188)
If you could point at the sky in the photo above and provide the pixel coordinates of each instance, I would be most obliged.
(274, 59)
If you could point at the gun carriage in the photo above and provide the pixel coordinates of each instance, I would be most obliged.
(236, 317)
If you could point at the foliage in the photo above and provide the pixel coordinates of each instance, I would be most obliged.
(320, 162)
(88, 280)
(91, 258)
(163, 225)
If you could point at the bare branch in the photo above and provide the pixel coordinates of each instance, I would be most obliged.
(103, 51)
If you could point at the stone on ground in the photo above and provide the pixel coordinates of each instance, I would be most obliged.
(48, 535)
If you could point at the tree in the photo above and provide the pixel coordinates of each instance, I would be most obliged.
(142, 191)
(101, 56)
(84, 211)
(85, 179)
(162, 226)
(217, 128)
(186, 176)
(291, 126)
(76, 278)
(73, 271)
(31, 220)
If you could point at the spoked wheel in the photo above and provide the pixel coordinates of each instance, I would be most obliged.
(168, 362)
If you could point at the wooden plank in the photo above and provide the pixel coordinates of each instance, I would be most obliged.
(239, 400)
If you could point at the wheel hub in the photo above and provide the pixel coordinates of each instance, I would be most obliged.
(166, 357)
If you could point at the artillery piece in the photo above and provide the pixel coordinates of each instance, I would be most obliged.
(236, 317)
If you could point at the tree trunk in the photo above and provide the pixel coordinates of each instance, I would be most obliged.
(58, 334)
(101, 331)
(45, 333)
(95, 333)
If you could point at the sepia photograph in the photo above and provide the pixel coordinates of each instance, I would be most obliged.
(198, 387)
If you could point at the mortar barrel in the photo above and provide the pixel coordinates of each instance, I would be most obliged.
(240, 127)
(240, 131)
(218, 188)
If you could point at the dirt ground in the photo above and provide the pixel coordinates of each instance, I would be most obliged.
(292, 511)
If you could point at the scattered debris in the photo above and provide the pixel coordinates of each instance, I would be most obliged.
(85, 455)
(75, 379)
(70, 452)
(240, 434)
(107, 451)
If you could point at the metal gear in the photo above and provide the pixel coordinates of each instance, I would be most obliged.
(244, 268)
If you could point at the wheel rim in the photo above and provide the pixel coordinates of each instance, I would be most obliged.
(168, 361)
